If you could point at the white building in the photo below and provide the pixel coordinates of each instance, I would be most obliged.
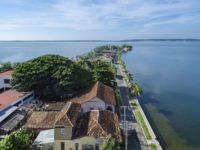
(96, 97)
(4, 80)
(11, 99)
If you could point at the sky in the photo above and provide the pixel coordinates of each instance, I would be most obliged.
(99, 19)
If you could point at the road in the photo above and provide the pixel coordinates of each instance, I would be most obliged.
(136, 140)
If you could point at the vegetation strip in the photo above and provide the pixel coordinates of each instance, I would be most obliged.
(142, 123)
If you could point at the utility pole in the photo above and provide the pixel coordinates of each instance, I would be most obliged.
(125, 125)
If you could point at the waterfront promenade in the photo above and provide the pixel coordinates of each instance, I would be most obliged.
(136, 138)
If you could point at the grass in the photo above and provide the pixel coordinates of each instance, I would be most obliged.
(144, 127)
(153, 147)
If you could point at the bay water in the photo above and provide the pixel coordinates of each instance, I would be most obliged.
(168, 72)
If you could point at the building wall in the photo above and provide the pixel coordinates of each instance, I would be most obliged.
(45, 146)
(95, 103)
(2, 84)
(66, 136)
(71, 143)
(110, 105)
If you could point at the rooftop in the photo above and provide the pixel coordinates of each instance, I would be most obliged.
(99, 90)
(6, 112)
(9, 96)
(54, 105)
(12, 122)
(48, 119)
(44, 137)
(98, 124)
(7, 73)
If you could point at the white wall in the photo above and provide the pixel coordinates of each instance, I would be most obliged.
(94, 103)
(112, 106)
(2, 84)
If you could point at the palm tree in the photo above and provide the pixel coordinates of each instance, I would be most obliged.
(135, 89)
(130, 76)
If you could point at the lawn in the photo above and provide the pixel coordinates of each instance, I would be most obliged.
(144, 127)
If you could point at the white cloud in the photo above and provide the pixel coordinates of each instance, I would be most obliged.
(92, 15)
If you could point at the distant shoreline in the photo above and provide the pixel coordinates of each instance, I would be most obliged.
(131, 40)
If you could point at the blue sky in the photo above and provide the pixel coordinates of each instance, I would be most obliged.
(98, 19)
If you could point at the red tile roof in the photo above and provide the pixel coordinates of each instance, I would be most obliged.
(42, 120)
(7, 73)
(98, 124)
(99, 90)
(49, 119)
(9, 96)
(68, 115)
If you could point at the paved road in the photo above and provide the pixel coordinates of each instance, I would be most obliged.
(136, 140)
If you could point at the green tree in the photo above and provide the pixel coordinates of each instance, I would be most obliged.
(130, 76)
(4, 66)
(108, 143)
(102, 71)
(135, 89)
(18, 141)
(51, 76)
(117, 94)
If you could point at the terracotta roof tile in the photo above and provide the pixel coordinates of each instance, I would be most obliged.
(99, 90)
(48, 119)
(43, 119)
(98, 124)
(68, 115)
(7, 73)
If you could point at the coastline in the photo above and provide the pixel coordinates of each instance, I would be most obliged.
(154, 140)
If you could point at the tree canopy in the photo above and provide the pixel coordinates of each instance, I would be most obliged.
(4, 66)
(18, 141)
(102, 71)
(52, 76)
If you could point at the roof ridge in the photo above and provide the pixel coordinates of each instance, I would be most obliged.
(65, 114)
(97, 123)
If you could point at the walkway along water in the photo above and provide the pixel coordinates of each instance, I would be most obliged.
(137, 139)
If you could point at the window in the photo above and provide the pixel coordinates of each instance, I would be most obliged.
(96, 146)
(62, 146)
(91, 108)
(76, 146)
(62, 131)
(6, 81)
(50, 147)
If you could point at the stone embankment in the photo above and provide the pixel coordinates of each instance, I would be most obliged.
(153, 136)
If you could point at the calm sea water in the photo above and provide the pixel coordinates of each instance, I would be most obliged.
(168, 72)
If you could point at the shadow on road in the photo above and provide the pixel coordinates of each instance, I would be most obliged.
(119, 77)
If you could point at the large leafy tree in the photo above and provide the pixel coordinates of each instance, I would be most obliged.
(52, 76)
(102, 71)
(4, 66)
(18, 141)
